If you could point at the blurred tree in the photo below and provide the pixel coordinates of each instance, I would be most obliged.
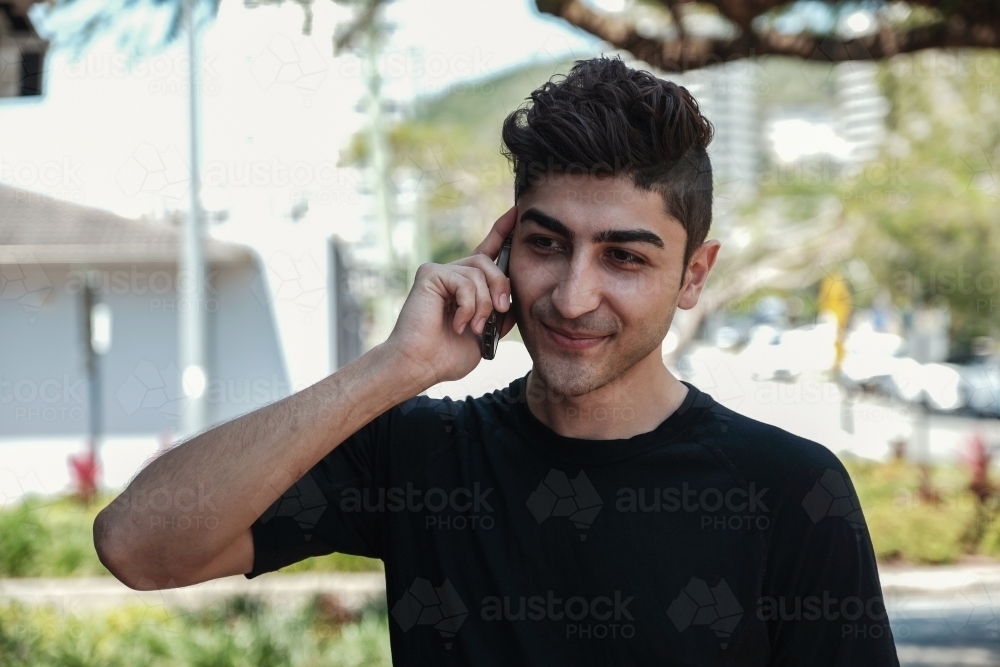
(446, 150)
(931, 206)
(160, 22)
(679, 35)
(924, 216)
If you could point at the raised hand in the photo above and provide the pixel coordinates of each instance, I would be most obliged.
(438, 335)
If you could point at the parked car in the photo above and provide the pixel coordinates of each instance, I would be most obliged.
(980, 387)
(773, 354)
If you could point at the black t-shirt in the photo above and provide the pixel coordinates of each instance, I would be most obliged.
(714, 539)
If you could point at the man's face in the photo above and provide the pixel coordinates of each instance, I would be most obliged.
(595, 257)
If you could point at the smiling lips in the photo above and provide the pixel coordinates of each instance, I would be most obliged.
(573, 341)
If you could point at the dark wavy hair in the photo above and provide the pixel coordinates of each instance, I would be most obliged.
(605, 118)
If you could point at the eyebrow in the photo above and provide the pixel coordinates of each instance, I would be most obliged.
(604, 236)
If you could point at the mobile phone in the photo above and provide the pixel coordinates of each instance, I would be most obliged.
(491, 330)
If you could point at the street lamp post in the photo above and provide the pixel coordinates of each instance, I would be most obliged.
(191, 267)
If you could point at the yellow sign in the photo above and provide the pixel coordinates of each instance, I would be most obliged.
(835, 297)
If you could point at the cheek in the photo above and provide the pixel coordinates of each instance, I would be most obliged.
(530, 280)
(637, 289)
(639, 305)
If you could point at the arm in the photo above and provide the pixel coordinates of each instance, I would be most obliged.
(823, 598)
(186, 517)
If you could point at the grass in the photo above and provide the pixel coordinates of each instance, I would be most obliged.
(239, 632)
(53, 537)
(49, 537)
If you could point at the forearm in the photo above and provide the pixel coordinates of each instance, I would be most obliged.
(189, 504)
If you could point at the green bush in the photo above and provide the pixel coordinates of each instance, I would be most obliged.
(24, 540)
(54, 537)
(48, 537)
(904, 527)
(239, 632)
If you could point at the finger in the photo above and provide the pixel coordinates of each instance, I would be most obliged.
(499, 284)
(464, 291)
(484, 305)
(454, 286)
(501, 230)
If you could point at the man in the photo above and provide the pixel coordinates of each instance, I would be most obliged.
(597, 511)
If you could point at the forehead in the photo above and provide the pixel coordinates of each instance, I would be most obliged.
(585, 202)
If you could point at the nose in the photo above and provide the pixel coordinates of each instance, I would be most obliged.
(579, 289)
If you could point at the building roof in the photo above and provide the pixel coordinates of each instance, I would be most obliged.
(54, 231)
(14, 18)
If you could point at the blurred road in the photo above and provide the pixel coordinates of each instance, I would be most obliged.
(931, 630)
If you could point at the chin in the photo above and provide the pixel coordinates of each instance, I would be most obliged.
(564, 381)
(569, 377)
(566, 377)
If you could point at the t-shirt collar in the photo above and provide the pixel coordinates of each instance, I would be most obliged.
(586, 451)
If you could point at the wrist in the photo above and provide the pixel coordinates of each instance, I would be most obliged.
(414, 374)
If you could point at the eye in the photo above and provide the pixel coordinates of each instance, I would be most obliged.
(535, 242)
(627, 258)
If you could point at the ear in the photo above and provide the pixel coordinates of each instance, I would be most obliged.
(699, 266)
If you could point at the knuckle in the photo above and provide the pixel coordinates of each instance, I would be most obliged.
(482, 261)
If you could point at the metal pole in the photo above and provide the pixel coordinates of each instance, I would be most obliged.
(191, 267)
(384, 315)
(92, 363)
(333, 288)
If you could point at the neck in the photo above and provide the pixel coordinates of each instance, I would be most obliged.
(635, 402)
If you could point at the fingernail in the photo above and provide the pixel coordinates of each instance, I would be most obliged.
(480, 323)
(504, 301)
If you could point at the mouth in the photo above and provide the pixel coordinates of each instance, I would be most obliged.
(573, 341)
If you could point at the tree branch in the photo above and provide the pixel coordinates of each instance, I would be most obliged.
(691, 52)
(346, 34)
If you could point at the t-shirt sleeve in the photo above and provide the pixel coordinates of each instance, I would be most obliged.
(822, 599)
(309, 518)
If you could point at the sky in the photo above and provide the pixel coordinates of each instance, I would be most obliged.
(277, 107)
